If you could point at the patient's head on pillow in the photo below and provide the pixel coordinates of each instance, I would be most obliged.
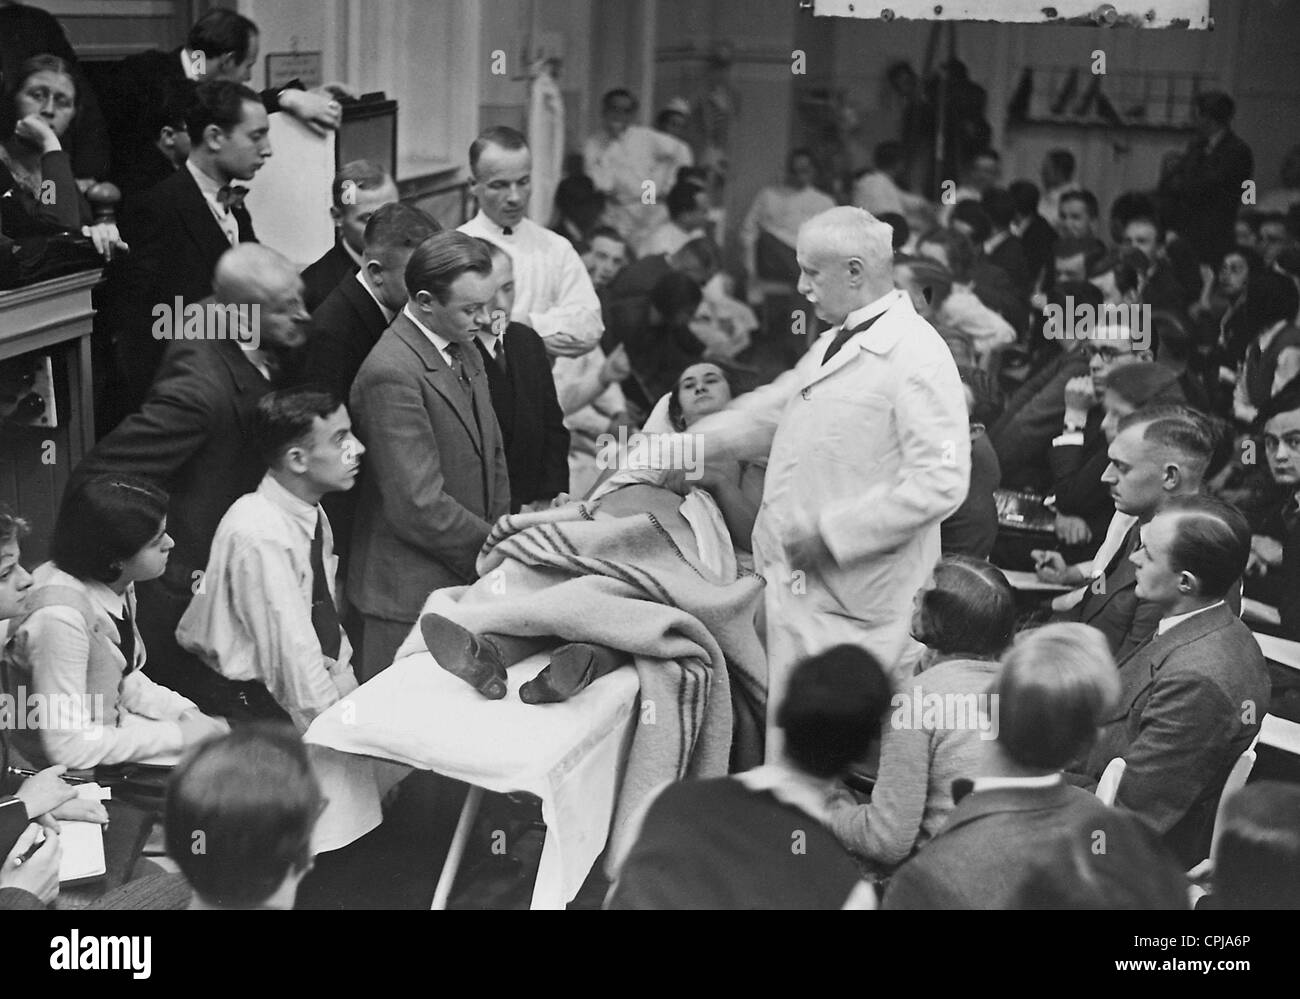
(702, 389)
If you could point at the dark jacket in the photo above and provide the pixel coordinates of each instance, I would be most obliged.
(532, 424)
(973, 528)
(1192, 700)
(1203, 193)
(1111, 605)
(175, 245)
(1032, 418)
(325, 274)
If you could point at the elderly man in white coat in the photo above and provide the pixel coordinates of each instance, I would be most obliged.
(869, 450)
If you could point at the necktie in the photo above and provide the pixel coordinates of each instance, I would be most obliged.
(456, 353)
(842, 337)
(231, 197)
(126, 636)
(507, 231)
(499, 359)
(324, 615)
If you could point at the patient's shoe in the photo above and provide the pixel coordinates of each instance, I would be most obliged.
(571, 669)
(466, 655)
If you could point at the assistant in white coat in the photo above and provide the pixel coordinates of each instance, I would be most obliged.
(868, 453)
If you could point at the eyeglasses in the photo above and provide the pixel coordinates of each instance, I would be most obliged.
(1107, 354)
(42, 94)
(1292, 441)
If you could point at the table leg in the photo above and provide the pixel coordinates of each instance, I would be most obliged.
(457, 850)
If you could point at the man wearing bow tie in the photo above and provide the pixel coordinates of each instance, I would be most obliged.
(869, 450)
(180, 228)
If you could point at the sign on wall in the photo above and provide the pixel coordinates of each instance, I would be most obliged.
(282, 67)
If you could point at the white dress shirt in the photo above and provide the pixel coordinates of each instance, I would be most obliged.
(553, 293)
(251, 619)
(622, 167)
(209, 187)
(1168, 622)
(389, 314)
(437, 339)
(1002, 783)
(780, 211)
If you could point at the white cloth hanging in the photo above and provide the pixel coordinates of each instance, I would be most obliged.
(546, 139)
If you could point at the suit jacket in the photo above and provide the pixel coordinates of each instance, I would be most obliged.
(344, 328)
(1203, 192)
(326, 274)
(1010, 256)
(1111, 605)
(137, 85)
(1038, 240)
(175, 245)
(978, 860)
(1191, 702)
(436, 477)
(1032, 418)
(532, 424)
(191, 438)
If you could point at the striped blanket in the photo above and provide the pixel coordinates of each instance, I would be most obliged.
(623, 582)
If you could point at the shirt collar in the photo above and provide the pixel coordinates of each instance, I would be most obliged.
(1168, 622)
(1001, 783)
(112, 603)
(871, 310)
(495, 231)
(303, 513)
(789, 786)
(209, 187)
(996, 240)
(362, 278)
(437, 339)
(491, 341)
(357, 258)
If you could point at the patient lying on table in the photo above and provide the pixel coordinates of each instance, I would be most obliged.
(689, 521)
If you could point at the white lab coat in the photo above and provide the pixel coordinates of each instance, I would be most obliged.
(873, 452)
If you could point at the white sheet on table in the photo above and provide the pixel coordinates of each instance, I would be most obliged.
(417, 715)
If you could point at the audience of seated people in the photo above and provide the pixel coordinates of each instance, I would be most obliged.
(485, 369)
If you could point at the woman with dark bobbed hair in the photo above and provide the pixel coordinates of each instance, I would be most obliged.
(939, 729)
(77, 645)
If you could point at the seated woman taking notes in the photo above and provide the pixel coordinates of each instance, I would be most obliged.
(76, 645)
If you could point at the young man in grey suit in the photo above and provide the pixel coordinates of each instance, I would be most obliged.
(437, 478)
(1193, 697)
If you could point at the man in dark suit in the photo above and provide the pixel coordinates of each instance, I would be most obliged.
(1275, 550)
(437, 478)
(358, 191)
(1003, 247)
(1037, 235)
(222, 45)
(180, 229)
(524, 399)
(1202, 188)
(1160, 454)
(349, 323)
(191, 438)
(1193, 697)
(1055, 686)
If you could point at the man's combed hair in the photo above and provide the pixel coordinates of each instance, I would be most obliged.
(217, 102)
(398, 227)
(358, 175)
(286, 417)
(220, 31)
(441, 259)
(501, 136)
(1181, 429)
(1211, 541)
(239, 814)
(832, 709)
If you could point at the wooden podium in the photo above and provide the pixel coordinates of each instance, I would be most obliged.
(52, 318)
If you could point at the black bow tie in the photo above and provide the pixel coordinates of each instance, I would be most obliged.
(231, 197)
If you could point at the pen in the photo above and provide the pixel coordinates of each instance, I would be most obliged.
(19, 772)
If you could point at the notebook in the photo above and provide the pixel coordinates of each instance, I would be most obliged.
(83, 843)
